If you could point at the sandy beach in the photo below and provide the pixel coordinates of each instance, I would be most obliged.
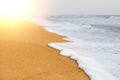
(25, 54)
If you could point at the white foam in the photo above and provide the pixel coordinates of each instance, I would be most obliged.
(96, 48)
(114, 16)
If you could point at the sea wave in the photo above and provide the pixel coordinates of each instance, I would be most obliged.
(94, 43)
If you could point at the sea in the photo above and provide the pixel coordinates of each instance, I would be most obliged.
(94, 42)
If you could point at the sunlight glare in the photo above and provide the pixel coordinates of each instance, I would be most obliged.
(14, 8)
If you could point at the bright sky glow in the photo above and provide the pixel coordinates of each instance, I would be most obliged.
(15, 8)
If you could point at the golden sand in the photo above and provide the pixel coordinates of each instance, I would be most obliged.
(25, 54)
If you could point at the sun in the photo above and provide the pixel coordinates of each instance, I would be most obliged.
(14, 8)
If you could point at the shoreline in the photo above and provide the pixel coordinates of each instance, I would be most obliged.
(25, 55)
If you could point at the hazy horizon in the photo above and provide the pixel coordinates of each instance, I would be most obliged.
(79, 7)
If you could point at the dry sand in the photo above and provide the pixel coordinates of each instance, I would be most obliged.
(24, 54)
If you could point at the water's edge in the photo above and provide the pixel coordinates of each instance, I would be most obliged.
(92, 41)
(84, 60)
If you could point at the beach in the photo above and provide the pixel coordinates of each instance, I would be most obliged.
(94, 42)
(25, 54)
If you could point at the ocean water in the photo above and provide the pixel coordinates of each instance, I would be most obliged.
(95, 42)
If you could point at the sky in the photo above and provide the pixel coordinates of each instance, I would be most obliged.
(69, 7)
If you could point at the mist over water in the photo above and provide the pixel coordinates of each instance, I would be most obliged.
(95, 42)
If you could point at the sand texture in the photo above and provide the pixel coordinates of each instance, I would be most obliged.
(25, 54)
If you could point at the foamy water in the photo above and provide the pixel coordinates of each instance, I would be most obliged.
(95, 42)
